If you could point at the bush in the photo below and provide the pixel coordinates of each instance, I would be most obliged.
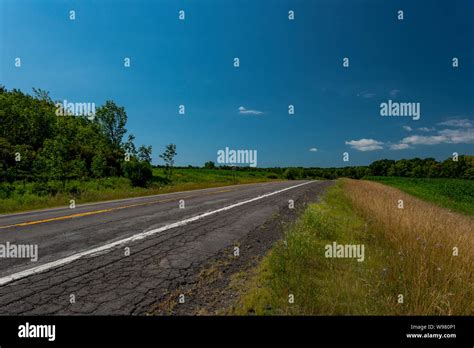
(139, 173)
(290, 173)
(6, 190)
(74, 188)
(209, 165)
(46, 188)
(272, 176)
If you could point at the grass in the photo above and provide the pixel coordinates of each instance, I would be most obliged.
(19, 197)
(408, 252)
(455, 194)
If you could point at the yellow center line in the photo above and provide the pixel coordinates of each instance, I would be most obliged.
(101, 211)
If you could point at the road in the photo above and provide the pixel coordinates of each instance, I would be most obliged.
(123, 256)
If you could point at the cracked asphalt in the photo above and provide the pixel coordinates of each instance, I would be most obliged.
(112, 283)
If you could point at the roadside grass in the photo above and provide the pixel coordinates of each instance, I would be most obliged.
(22, 197)
(297, 266)
(408, 252)
(201, 175)
(455, 194)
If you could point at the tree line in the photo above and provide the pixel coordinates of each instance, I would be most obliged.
(38, 146)
(459, 167)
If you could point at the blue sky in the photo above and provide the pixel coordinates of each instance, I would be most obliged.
(282, 62)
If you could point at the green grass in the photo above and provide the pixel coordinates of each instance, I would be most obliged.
(455, 194)
(297, 266)
(195, 175)
(18, 197)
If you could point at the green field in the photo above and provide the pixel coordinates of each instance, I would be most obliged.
(455, 194)
(21, 197)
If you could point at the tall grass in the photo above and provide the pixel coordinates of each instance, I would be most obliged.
(408, 252)
(420, 243)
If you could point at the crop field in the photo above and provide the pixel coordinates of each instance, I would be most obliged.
(455, 194)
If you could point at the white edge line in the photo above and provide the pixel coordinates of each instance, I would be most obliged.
(54, 264)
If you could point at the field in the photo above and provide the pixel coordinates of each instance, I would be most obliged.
(455, 194)
(21, 197)
(417, 260)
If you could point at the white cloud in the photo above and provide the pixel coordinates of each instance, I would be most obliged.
(457, 122)
(426, 129)
(244, 111)
(421, 129)
(458, 136)
(399, 146)
(445, 136)
(313, 149)
(394, 92)
(461, 132)
(424, 140)
(365, 144)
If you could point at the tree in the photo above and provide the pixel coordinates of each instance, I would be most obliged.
(209, 165)
(24, 157)
(112, 120)
(129, 146)
(42, 95)
(168, 157)
(59, 162)
(25, 120)
(381, 167)
(144, 153)
(6, 160)
(99, 165)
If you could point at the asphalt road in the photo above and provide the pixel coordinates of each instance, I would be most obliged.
(123, 256)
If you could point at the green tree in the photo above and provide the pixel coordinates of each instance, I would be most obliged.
(6, 160)
(209, 165)
(168, 158)
(381, 167)
(144, 153)
(112, 120)
(99, 165)
(24, 158)
(129, 146)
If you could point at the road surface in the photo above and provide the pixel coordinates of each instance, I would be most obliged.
(123, 256)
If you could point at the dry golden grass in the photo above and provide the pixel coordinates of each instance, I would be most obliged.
(419, 243)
